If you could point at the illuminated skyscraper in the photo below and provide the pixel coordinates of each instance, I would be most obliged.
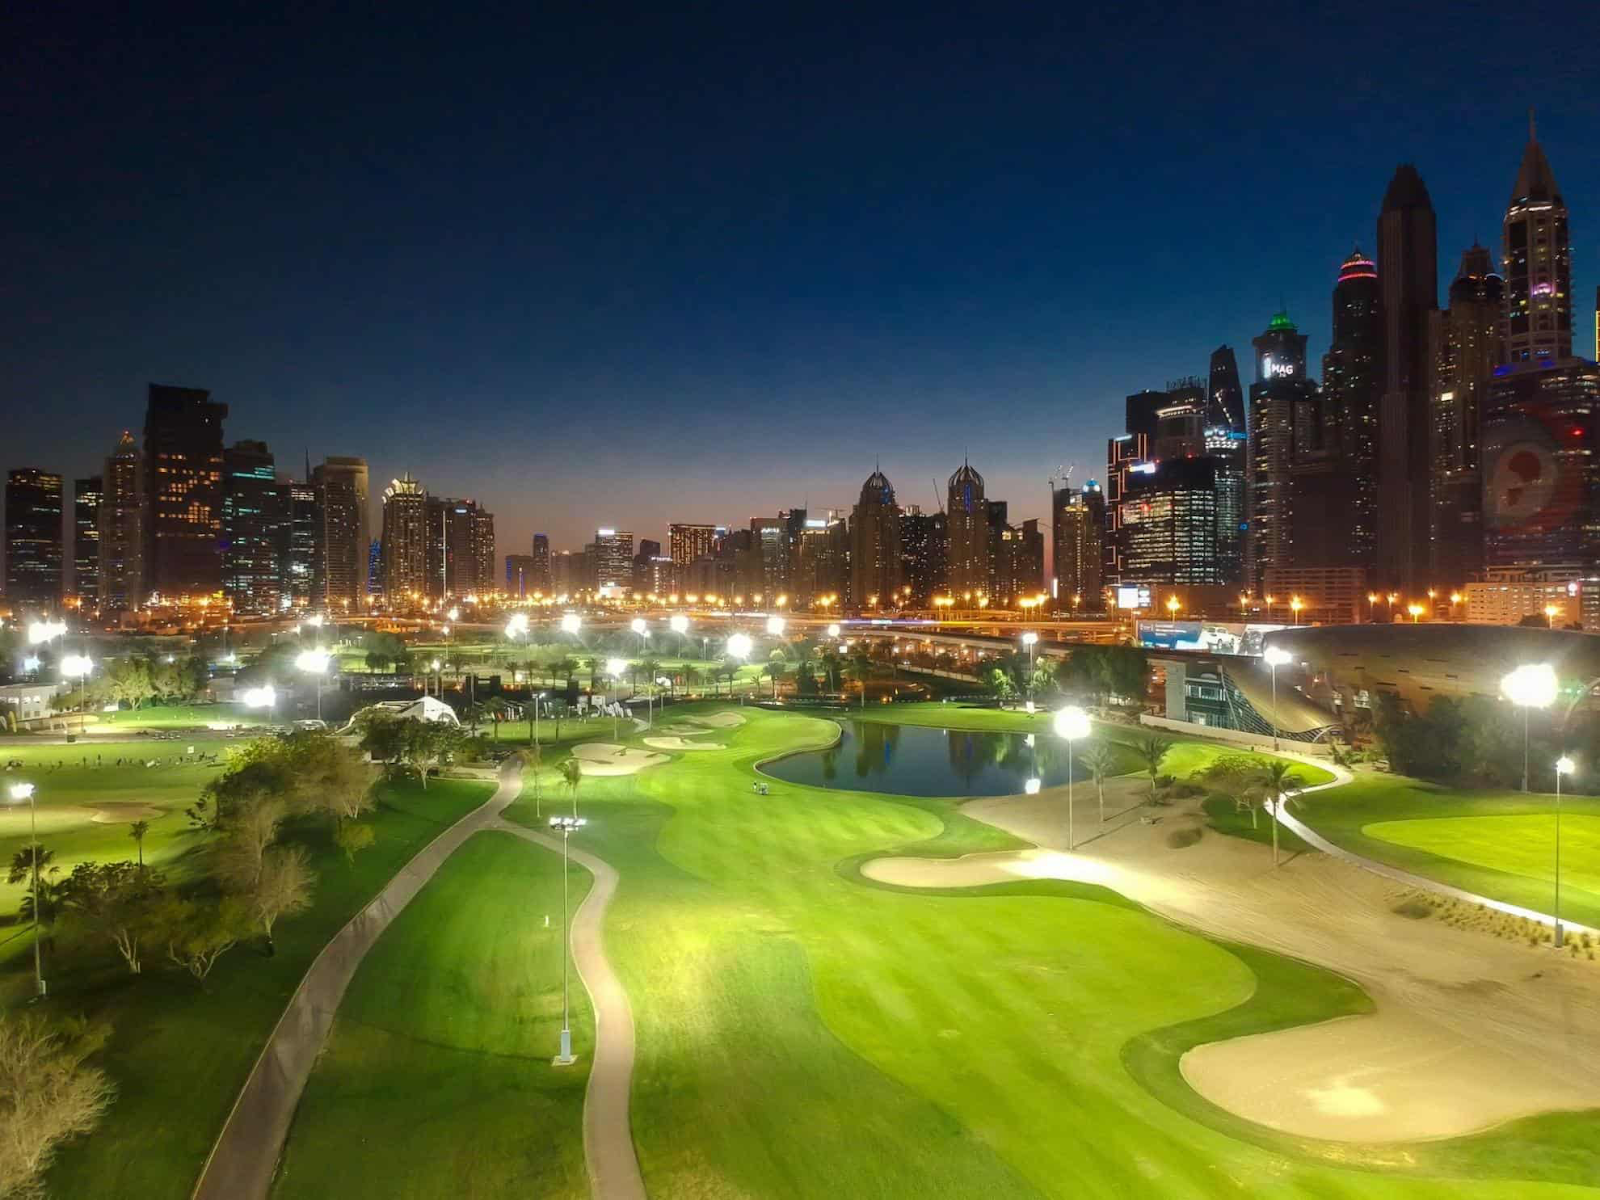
(1169, 524)
(968, 515)
(342, 481)
(86, 497)
(540, 580)
(875, 545)
(183, 492)
(613, 561)
(1408, 285)
(253, 516)
(1285, 417)
(405, 541)
(1467, 347)
(924, 553)
(1078, 527)
(1224, 394)
(685, 542)
(121, 528)
(33, 538)
(1538, 263)
(1351, 387)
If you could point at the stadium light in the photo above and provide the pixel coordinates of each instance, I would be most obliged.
(1276, 657)
(1070, 724)
(1530, 686)
(566, 825)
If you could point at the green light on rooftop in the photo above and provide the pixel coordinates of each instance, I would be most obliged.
(1281, 321)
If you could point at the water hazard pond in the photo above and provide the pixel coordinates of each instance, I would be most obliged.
(910, 760)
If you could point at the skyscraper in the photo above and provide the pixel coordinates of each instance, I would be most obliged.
(1285, 417)
(874, 545)
(86, 497)
(33, 538)
(1351, 387)
(1538, 263)
(183, 492)
(122, 528)
(541, 579)
(405, 541)
(924, 553)
(342, 481)
(1126, 455)
(301, 561)
(1229, 451)
(1078, 526)
(460, 553)
(1019, 563)
(968, 515)
(1467, 346)
(519, 575)
(688, 542)
(1224, 395)
(1169, 524)
(252, 529)
(1409, 289)
(613, 564)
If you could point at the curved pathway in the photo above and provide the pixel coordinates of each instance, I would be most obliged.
(607, 1135)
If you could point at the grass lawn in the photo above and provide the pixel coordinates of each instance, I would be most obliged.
(179, 1054)
(436, 1080)
(803, 1032)
(177, 716)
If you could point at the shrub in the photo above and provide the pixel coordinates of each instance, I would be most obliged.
(1179, 838)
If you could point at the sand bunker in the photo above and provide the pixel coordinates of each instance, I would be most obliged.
(120, 814)
(607, 758)
(1469, 1030)
(721, 720)
(678, 743)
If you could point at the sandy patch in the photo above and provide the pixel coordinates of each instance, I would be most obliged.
(678, 743)
(607, 758)
(1469, 1030)
(121, 814)
(721, 720)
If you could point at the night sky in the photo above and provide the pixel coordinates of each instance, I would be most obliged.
(597, 266)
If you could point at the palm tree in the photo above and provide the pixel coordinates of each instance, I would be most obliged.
(1151, 750)
(492, 708)
(474, 713)
(861, 669)
(1280, 788)
(775, 670)
(137, 831)
(572, 775)
(1100, 760)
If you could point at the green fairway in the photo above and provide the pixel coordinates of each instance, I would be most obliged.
(179, 1054)
(803, 1032)
(177, 716)
(1522, 845)
(446, 1034)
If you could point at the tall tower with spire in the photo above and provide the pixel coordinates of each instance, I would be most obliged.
(1351, 385)
(1408, 289)
(968, 516)
(1538, 263)
(875, 545)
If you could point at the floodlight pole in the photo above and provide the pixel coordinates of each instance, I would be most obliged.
(38, 950)
(1525, 708)
(566, 824)
(1558, 860)
(1274, 666)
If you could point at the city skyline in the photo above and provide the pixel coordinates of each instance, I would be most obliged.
(990, 286)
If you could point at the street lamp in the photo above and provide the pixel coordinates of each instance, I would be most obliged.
(438, 680)
(19, 793)
(571, 623)
(1070, 724)
(1550, 611)
(833, 630)
(775, 626)
(1528, 687)
(262, 697)
(1173, 606)
(1029, 640)
(1564, 766)
(1415, 610)
(79, 666)
(1296, 605)
(566, 825)
(1372, 603)
(1276, 656)
(314, 662)
(678, 623)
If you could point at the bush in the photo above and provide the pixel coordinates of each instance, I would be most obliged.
(1179, 838)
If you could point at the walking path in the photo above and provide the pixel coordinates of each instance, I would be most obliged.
(245, 1155)
(607, 1135)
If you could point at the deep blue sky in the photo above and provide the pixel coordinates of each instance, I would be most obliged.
(604, 266)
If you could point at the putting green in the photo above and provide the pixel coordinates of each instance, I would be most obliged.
(1522, 845)
(446, 1033)
(804, 1032)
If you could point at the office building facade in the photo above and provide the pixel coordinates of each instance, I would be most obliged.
(183, 492)
(121, 574)
(86, 497)
(34, 552)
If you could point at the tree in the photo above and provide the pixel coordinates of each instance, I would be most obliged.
(137, 832)
(1275, 778)
(22, 862)
(572, 776)
(47, 1095)
(494, 708)
(1236, 776)
(1151, 750)
(283, 887)
(1100, 760)
(1001, 684)
(352, 838)
(129, 682)
(427, 744)
(383, 735)
(115, 902)
(775, 670)
(474, 712)
(326, 776)
(197, 934)
(730, 671)
(243, 848)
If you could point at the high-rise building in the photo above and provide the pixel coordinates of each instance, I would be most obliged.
(568, 573)
(1169, 524)
(122, 528)
(1538, 263)
(347, 529)
(1224, 394)
(1541, 466)
(771, 541)
(1078, 526)
(821, 566)
(1408, 286)
(460, 553)
(1229, 451)
(1351, 386)
(1126, 455)
(183, 492)
(253, 516)
(302, 563)
(519, 576)
(1285, 420)
(33, 538)
(1181, 424)
(86, 497)
(405, 541)
(1019, 564)
(1467, 347)
(482, 544)
(542, 581)
(375, 568)
(613, 561)
(924, 554)
(875, 545)
(1142, 412)
(689, 542)
(968, 515)
(998, 525)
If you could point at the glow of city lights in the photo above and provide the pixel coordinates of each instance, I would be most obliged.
(1071, 723)
(516, 626)
(775, 626)
(43, 631)
(76, 666)
(739, 645)
(571, 623)
(454, 614)
(679, 623)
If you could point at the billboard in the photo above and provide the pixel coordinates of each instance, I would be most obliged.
(1212, 637)
(1133, 597)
